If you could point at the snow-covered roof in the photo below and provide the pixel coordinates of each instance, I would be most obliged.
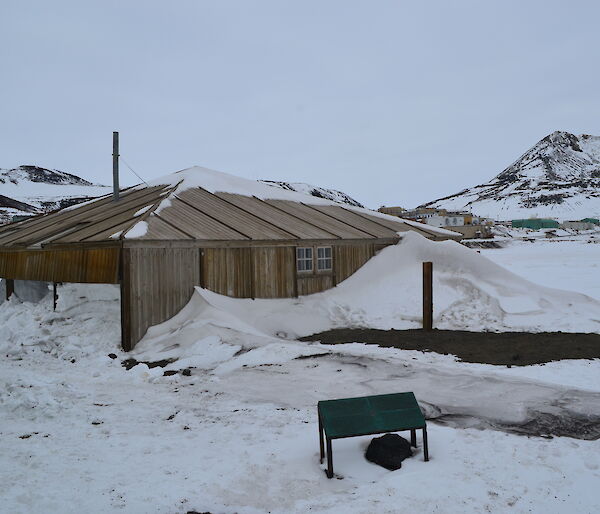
(202, 204)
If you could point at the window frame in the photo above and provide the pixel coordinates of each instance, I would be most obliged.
(305, 259)
(324, 259)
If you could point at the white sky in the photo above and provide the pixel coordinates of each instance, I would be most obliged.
(394, 103)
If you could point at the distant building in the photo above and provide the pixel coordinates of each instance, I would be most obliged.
(578, 225)
(535, 223)
(392, 211)
(464, 222)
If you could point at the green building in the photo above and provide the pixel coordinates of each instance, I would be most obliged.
(595, 221)
(535, 223)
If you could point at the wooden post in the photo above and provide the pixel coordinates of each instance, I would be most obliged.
(125, 287)
(115, 166)
(10, 287)
(427, 296)
(55, 294)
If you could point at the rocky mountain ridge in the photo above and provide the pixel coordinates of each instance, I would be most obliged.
(559, 177)
(28, 190)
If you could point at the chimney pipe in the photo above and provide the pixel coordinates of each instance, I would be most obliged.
(115, 166)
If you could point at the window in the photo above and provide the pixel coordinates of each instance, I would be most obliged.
(324, 262)
(304, 259)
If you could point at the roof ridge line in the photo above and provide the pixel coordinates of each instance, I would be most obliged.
(148, 212)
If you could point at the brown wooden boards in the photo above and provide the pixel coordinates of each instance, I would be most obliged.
(347, 259)
(298, 228)
(309, 284)
(195, 222)
(353, 219)
(157, 283)
(94, 265)
(274, 272)
(228, 271)
(51, 225)
(232, 216)
(328, 223)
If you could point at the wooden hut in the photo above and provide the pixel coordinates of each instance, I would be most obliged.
(199, 227)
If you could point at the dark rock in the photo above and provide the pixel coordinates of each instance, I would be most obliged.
(186, 372)
(170, 372)
(112, 355)
(388, 451)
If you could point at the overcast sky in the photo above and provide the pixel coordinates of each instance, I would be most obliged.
(395, 103)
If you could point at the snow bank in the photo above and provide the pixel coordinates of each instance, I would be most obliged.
(86, 322)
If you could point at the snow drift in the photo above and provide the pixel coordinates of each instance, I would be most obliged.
(470, 293)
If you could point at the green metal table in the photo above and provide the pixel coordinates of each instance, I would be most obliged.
(369, 415)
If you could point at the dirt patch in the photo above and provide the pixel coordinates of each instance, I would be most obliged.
(506, 348)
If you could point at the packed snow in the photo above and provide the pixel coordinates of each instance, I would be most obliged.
(238, 431)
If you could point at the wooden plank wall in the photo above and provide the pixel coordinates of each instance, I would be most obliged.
(314, 283)
(274, 272)
(95, 265)
(157, 283)
(347, 259)
(267, 272)
(228, 271)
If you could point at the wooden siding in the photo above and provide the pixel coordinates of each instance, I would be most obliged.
(157, 283)
(103, 213)
(228, 271)
(195, 222)
(347, 259)
(298, 228)
(93, 265)
(274, 272)
(366, 224)
(230, 215)
(321, 220)
(309, 284)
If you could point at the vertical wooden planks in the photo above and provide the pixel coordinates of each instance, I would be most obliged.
(274, 272)
(83, 265)
(427, 296)
(228, 271)
(349, 258)
(314, 283)
(156, 284)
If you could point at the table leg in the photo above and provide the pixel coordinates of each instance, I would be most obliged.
(413, 437)
(321, 444)
(329, 459)
(425, 447)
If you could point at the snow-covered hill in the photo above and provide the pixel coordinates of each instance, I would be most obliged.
(32, 190)
(558, 178)
(320, 192)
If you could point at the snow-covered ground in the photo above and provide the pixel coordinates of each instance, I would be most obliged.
(79, 433)
(568, 262)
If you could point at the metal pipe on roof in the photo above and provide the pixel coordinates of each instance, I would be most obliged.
(115, 166)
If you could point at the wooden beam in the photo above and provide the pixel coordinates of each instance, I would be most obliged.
(9, 284)
(427, 296)
(125, 273)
